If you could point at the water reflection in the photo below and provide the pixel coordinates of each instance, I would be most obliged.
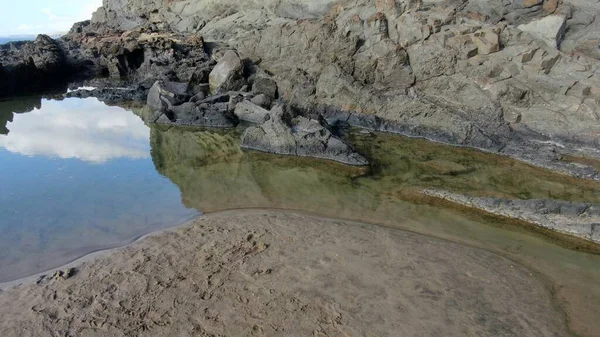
(11, 107)
(213, 174)
(85, 129)
(76, 176)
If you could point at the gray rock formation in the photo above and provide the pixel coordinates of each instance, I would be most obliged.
(299, 136)
(580, 220)
(32, 67)
(164, 95)
(459, 72)
(228, 74)
(550, 29)
(250, 112)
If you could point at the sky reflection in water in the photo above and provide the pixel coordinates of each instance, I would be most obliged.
(85, 129)
(76, 176)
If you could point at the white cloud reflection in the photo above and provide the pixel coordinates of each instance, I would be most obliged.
(86, 129)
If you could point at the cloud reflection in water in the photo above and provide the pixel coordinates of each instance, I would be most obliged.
(85, 129)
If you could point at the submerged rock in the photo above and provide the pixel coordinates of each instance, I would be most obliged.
(216, 115)
(576, 219)
(299, 136)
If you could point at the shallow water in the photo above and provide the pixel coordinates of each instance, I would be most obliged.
(78, 176)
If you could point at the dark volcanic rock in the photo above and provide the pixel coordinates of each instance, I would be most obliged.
(142, 54)
(216, 115)
(298, 136)
(30, 67)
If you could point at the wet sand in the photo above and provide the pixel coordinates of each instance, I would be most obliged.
(267, 273)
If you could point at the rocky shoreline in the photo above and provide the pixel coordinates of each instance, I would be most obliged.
(518, 78)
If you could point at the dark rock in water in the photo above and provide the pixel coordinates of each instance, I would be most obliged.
(165, 95)
(299, 136)
(216, 115)
(31, 67)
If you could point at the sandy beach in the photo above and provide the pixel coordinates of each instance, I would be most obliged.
(267, 273)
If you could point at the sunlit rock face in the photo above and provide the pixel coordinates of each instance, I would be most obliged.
(73, 128)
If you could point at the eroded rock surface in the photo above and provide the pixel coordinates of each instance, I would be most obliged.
(577, 219)
(459, 72)
(284, 134)
(31, 67)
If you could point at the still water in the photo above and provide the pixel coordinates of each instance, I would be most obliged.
(76, 176)
(79, 176)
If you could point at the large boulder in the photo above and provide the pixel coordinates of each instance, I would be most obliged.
(550, 29)
(299, 136)
(227, 74)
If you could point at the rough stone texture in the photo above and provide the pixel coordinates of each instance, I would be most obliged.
(265, 86)
(262, 100)
(216, 115)
(421, 68)
(250, 112)
(299, 136)
(164, 95)
(227, 74)
(145, 53)
(487, 42)
(580, 220)
(550, 29)
(30, 67)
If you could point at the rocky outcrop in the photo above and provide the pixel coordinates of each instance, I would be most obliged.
(459, 72)
(299, 136)
(228, 74)
(550, 29)
(142, 54)
(577, 219)
(165, 95)
(32, 67)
